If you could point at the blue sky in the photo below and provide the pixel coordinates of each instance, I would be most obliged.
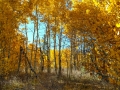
(42, 29)
(30, 30)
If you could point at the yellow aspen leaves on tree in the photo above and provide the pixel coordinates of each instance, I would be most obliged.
(56, 35)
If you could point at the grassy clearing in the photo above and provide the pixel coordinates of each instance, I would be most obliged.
(47, 81)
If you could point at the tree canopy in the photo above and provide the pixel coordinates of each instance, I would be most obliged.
(91, 27)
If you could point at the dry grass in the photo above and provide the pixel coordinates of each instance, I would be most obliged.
(47, 81)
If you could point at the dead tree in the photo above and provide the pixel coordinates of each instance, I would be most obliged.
(22, 52)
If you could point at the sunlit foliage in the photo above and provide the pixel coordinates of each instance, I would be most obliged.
(92, 28)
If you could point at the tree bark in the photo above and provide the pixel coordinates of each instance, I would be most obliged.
(55, 47)
(60, 40)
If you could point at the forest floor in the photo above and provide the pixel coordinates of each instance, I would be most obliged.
(47, 81)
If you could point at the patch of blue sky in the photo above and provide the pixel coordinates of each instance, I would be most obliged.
(30, 30)
(65, 43)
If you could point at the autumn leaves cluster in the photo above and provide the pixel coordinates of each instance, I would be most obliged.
(91, 28)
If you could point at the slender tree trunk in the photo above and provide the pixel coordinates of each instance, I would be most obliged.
(67, 65)
(44, 49)
(60, 41)
(71, 57)
(32, 50)
(26, 67)
(55, 53)
(74, 49)
(41, 59)
(55, 47)
(27, 60)
(19, 62)
(35, 57)
(48, 46)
